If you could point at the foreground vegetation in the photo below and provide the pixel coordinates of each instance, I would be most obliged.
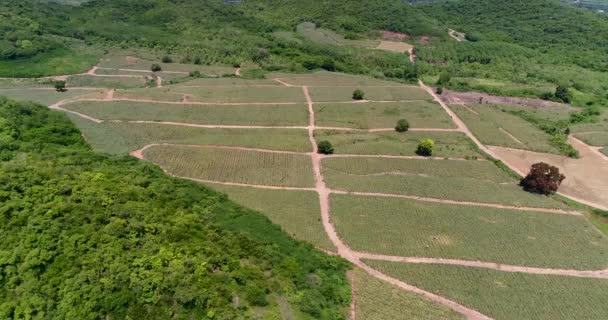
(88, 236)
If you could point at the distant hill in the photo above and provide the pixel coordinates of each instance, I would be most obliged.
(596, 5)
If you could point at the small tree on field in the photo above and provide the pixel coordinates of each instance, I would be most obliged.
(325, 147)
(439, 90)
(358, 94)
(563, 94)
(156, 67)
(195, 74)
(402, 125)
(167, 59)
(444, 78)
(60, 86)
(425, 147)
(543, 178)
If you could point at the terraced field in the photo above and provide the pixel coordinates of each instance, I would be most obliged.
(429, 237)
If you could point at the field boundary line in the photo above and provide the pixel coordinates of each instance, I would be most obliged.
(503, 130)
(209, 126)
(386, 129)
(283, 82)
(382, 156)
(140, 70)
(455, 202)
(599, 274)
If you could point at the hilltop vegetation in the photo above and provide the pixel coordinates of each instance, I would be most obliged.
(88, 236)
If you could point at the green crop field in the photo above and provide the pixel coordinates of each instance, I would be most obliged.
(493, 126)
(228, 82)
(420, 114)
(447, 144)
(23, 83)
(600, 125)
(341, 94)
(223, 165)
(504, 295)
(598, 139)
(476, 181)
(478, 170)
(423, 229)
(261, 115)
(326, 36)
(378, 300)
(45, 97)
(297, 212)
(331, 79)
(108, 82)
(135, 63)
(217, 94)
(121, 138)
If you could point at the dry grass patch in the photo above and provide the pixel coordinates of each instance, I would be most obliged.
(421, 229)
(238, 166)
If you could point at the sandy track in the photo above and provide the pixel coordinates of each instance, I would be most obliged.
(512, 137)
(210, 126)
(456, 202)
(599, 274)
(139, 153)
(383, 156)
(237, 72)
(142, 70)
(282, 82)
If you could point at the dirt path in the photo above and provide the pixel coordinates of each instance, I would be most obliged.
(384, 156)
(282, 82)
(159, 82)
(139, 153)
(412, 52)
(58, 106)
(456, 35)
(456, 202)
(237, 72)
(501, 129)
(599, 274)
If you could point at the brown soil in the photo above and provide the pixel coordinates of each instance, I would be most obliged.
(394, 36)
(454, 97)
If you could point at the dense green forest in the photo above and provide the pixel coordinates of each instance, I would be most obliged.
(521, 47)
(88, 236)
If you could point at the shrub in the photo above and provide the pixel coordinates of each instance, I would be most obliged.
(60, 86)
(402, 125)
(563, 94)
(543, 178)
(358, 94)
(439, 90)
(167, 59)
(198, 60)
(325, 147)
(195, 74)
(425, 147)
(444, 78)
(156, 67)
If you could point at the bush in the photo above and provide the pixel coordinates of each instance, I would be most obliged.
(195, 74)
(325, 147)
(439, 90)
(198, 60)
(358, 94)
(563, 94)
(167, 59)
(60, 86)
(402, 125)
(543, 178)
(425, 147)
(444, 78)
(156, 67)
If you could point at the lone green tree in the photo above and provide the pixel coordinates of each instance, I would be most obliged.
(444, 78)
(402, 125)
(426, 147)
(325, 147)
(155, 67)
(167, 59)
(358, 94)
(563, 94)
(543, 178)
(60, 86)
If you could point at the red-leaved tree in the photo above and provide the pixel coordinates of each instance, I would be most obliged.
(543, 178)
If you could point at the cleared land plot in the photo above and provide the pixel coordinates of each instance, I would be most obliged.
(108, 82)
(504, 295)
(329, 79)
(546, 113)
(326, 36)
(45, 97)
(598, 139)
(261, 115)
(420, 114)
(340, 94)
(495, 127)
(134, 63)
(413, 228)
(476, 181)
(447, 144)
(238, 166)
(122, 138)
(218, 94)
(297, 212)
(379, 300)
(394, 46)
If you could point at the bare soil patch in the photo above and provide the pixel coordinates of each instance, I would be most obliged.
(394, 46)
(394, 36)
(453, 97)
